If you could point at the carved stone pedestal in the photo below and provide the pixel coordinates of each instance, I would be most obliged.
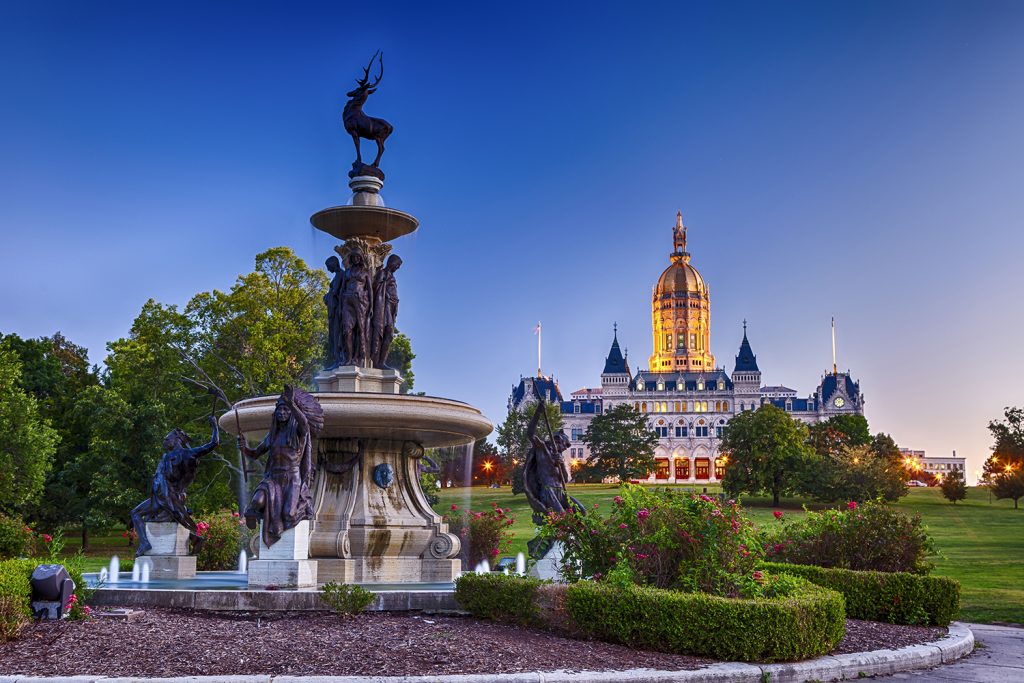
(355, 378)
(168, 558)
(286, 563)
(373, 523)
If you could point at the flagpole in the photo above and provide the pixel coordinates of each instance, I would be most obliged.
(834, 369)
(538, 348)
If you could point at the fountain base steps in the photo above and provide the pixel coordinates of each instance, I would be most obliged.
(388, 570)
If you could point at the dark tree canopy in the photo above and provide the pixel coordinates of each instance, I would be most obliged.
(767, 451)
(1004, 469)
(621, 445)
(954, 487)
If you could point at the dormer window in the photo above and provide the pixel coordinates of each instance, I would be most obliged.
(700, 385)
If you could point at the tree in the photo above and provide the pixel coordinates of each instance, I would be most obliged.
(1005, 467)
(56, 372)
(27, 441)
(850, 464)
(400, 357)
(954, 487)
(767, 451)
(621, 444)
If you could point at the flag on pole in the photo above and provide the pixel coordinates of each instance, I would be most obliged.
(537, 331)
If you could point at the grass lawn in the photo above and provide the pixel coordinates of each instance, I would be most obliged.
(980, 544)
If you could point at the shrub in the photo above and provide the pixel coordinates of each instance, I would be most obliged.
(664, 539)
(872, 536)
(484, 535)
(16, 538)
(895, 597)
(15, 596)
(224, 534)
(493, 596)
(808, 623)
(346, 599)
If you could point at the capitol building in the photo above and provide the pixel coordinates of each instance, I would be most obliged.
(686, 395)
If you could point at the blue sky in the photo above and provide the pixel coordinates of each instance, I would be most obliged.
(855, 159)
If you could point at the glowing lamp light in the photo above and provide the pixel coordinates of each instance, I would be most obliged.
(488, 465)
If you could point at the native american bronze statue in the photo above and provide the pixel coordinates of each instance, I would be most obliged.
(174, 474)
(359, 125)
(283, 498)
(385, 311)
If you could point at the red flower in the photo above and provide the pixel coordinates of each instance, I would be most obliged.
(852, 505)
(778, 514)
(617, 500)
(643, 514)
(454, 506)
(47, 538)
(758, 576)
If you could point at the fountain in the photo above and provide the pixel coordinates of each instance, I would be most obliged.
(370, 521)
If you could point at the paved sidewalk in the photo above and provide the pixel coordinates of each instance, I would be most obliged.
(1001, 660)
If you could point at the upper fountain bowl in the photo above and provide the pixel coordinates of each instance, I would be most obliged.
(429, 421)
(346, 222)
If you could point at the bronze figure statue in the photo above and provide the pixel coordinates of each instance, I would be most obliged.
(282, 499)
(385, 311)
(174, 474)
(359, 125)
(356, 301)
(335, 348)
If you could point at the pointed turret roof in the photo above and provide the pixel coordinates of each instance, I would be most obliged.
(615, 363)
(746, 361)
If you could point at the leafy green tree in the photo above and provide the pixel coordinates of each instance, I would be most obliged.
(767, 451)
(512, 442)
(271, 328)
(954, 487)
(850, 464)
(400, 357)
(621, 444)
(56, 372)
(1005, 467)
(837, 433)
(27, 441)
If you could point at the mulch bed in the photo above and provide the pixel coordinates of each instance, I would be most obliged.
(166, 642)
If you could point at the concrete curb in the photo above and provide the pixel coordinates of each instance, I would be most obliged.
(956, 644)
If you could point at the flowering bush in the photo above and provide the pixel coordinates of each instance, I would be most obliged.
(869, 536)
(665, 539)
(484, 535)
(16, 538)
(224, 534)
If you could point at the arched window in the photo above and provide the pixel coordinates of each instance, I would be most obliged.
(675, 405)
(725, 406)
(643, 407)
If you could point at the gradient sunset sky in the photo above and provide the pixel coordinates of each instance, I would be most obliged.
(863, 160)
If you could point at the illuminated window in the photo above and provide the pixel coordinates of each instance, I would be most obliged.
(703, 406)
(725, 406)
(675, 405)
(682, 468)
(643, 407)
(703, 467)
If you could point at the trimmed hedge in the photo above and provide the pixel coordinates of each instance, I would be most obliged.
(15, 596)
(895, 597)
(808, 623)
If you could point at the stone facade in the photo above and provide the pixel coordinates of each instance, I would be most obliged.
(689, 400)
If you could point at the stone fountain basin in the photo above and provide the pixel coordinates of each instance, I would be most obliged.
(346, 222)
(427, 420)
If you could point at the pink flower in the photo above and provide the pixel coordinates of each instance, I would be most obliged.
(595, 506)
(454, 506)
(235, 514)
(641, 556)
(623, 526)
(778, 514)
(87, 610)
(643, 514)
(71, 601)
(494, 552)
(47, 538)
(758, 576)
(852, 505)
(617, 500)
(705, 498)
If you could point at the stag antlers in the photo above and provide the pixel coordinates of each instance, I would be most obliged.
(364, 82)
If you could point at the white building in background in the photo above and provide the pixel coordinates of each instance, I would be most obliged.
(689, 399)
(940, 466)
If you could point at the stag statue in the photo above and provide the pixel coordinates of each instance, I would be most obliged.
(359, 125)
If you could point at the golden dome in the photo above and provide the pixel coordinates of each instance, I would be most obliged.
(680, 277)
